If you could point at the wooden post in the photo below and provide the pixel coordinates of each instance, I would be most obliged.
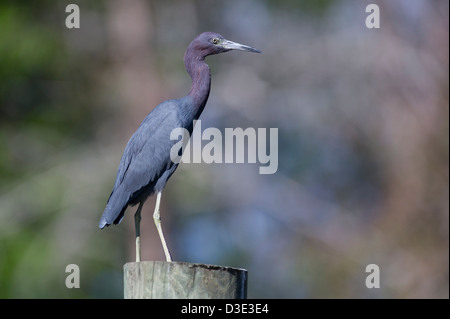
(180, 280)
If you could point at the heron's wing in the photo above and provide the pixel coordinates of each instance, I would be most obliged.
(146, 157)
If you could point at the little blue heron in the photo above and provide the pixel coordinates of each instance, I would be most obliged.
(146, 165)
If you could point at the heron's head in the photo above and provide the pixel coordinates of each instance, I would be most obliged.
(209, 43)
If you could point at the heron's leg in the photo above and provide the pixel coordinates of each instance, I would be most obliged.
(157, 219)
(137, 227)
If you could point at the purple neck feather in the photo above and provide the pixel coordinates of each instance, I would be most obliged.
(194, 60)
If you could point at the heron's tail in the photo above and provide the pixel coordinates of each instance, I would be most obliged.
(115, 209)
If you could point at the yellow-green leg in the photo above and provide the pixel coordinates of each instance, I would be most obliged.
(157, 219)
(137, 227)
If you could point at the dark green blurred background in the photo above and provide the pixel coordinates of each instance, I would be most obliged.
(363, 128)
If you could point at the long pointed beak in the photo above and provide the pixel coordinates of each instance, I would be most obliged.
(230, 45)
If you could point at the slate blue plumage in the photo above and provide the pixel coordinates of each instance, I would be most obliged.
(146, 165)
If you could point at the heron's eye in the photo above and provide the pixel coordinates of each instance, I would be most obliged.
(215, 40)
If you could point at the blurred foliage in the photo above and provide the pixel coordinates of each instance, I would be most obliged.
(43, 91)
(363, 144)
